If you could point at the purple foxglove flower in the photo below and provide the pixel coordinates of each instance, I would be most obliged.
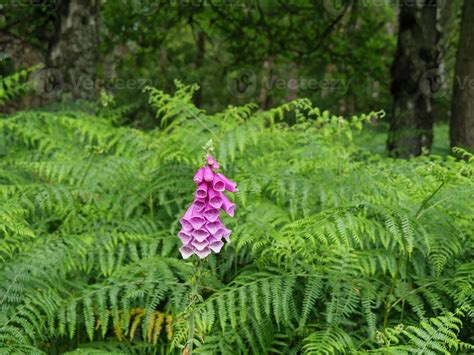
(186, 251)
(200, 234)
(200, 245)
(199, 204)
(227, 234)
(197, 222)
(199, 176)
(210, 160)
(208, 174)
(203, 253)
(213, 227)
(230, 185)
(211, 214)
(223, 232)
(227, 206)
(216, 246)
(215, 198)
(213, 238)
(201, 191)
(185, 237)
(203, 231)
(218, 184)
(185, 220)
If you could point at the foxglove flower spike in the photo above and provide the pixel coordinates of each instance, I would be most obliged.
(203, 231)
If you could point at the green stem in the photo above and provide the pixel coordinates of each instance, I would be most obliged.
(196, 281)
(191, 332)
(425, 201)
(91, 161)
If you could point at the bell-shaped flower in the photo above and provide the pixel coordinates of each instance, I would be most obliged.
(218, 184)
(215, 198)
(199, 176)
(230, 185)
(186, 251)
(201, 191)
(200, 234)
(208, 174)
(202, 254)
(203, 231)
(227, 206)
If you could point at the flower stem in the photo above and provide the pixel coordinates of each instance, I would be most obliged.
(191, 333)
(194, 297)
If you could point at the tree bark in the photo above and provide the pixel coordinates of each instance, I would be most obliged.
(414, 79)
(200, 52)
(73, 52)
(462, 120)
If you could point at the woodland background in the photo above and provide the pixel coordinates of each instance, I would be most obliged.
(348, 125)
(346, 56)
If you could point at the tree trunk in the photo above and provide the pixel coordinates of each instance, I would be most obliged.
(414, 79)
(462, 120)
(73, 52)
(200, 51)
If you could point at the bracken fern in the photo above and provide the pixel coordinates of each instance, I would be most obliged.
(333, 247)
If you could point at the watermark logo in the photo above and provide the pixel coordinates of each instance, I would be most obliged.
(434, 83)
(49, 4)
(336, 7)
(149, 7)
(242, 83)
(48, 83)
(3, 53)
(440, 4)
(144, 7)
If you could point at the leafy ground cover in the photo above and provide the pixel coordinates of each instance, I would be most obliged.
(335, 248)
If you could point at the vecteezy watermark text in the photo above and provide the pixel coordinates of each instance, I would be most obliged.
(245, 83)
(50, 4)
(338, 7)
(149, 7)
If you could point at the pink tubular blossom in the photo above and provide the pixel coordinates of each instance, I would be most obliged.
(216, 246)
(210, 160)
(186, 251)
(208, 174)
(213, 227)
(201, 191)
(203, 231)
(200, 234)
(199, 176)
(227, 206)
(185, 221)
(218, 184)
(223, 232)
(197, 222)
(215, 198)
(185, 237)
(199, 205)
(200, 245)
(211, 214)
(203, 253)
(230, 185)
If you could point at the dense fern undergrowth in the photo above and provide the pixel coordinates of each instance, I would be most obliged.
(334, 250)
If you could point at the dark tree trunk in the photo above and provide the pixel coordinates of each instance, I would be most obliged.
(200, 51)
(73, 52)
(462, 120)
(414, 79)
